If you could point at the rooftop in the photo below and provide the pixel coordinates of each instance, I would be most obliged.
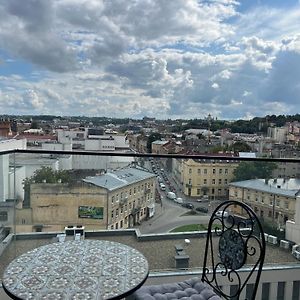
(279, 186)
(149, 245)
(119, 178)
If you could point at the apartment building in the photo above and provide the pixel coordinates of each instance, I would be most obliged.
(115, 200)
(131, 196)
(273, 200)
(205, 177)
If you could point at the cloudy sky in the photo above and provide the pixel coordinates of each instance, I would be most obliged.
(159, 58)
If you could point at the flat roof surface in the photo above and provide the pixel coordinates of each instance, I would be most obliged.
(119, 178)
(280, 186)
(159, 253)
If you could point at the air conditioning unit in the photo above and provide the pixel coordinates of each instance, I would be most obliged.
(294, 248)
(272, 240)
(297, 255)
(284, 244)
(266, 236)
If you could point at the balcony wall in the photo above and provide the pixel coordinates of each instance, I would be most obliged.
(24, 217)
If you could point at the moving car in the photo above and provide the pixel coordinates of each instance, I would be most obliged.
(171, 195)
(188, 205)
(179, 200)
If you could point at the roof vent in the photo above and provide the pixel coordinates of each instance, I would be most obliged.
(278, 186)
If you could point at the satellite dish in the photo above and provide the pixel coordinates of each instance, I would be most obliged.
(187, 241)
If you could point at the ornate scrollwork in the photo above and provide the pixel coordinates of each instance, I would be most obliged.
(238, 238)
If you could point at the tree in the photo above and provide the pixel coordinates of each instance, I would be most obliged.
(44, 174)
(251, 170)
(152, 137)
(240, 147)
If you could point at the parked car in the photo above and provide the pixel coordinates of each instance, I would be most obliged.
(221, 213)
(171, 195)
(188, 205)
(202, 209)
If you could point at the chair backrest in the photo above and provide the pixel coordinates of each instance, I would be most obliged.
(235, 238)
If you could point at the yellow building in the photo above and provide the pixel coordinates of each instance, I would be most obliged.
(273, 200)
(209, 178)
(116, 200)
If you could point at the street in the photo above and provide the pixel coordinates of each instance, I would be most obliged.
(169, 214)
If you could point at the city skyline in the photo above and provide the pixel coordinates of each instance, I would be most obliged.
(164, 59)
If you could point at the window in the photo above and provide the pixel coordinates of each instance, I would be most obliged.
(220, 181)
(112, 214)
(286, 205)
(205, 171)
(198, 191)
(117, 212)
(199, 171)
(225, 181)
(190, 171)
(121, 224)
(117, 198)
(212, 191)
(213, 181)
(277, 202)
(214, 171)
(112, 199)
(205, 181)
(226, 171)
(3, 216)
(271, 202)
(134, 190)
(220, 171)
(190, 181)
(130, 192)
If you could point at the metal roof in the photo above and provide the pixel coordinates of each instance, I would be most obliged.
(279, 186)
(119, 178)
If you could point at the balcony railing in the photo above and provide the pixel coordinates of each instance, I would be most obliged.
(34, 210)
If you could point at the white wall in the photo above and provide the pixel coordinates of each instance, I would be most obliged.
(4, 164)
(292, 230)
(20, 176)
(12, 144)
(4, 189)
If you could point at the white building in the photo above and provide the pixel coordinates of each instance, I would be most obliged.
(6, 180)
(278, 134)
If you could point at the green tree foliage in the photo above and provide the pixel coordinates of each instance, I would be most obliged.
(240, 147)
(152, 137)
(49, 175)
(251, 170)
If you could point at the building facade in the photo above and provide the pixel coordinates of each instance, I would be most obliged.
(205, 177)
(273, 200)
(115, 200)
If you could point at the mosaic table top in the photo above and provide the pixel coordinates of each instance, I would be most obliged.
(86, 269)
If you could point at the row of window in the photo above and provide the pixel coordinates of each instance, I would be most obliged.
(205, 171)
(213, 181)
(124, 222)
(213, 191)
(127, 208)
(123, 195)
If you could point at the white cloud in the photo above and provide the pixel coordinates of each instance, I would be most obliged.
(179, 58)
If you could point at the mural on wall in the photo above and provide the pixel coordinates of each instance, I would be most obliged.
(90, 212)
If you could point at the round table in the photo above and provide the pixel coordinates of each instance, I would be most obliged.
(86, 269)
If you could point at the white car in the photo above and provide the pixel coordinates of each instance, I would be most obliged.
(222, 213)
